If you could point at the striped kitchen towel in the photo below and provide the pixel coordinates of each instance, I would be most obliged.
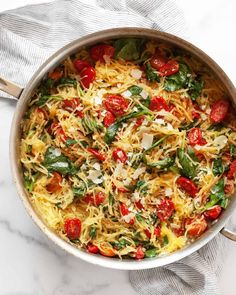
(29, 35)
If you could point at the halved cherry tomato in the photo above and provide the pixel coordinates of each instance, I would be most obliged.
(158, 103)
(213, 212)
(80, 64)
(71, 104)
(157, 232)
(219, 110)
(96, 200)
(157, 61)
(108, 119)
(165, 209)
(119, 155)
(92, 248)
(55, 183)
(195, 137)
(97, 154)
(178, 231)
(72, 227)
(116, 104)
(195, 115)
(195, 226)
(139, 121)
(97, 52)
(139, 205)
(56, 129)
(125, 211)
(170, 68)
(42, 112)
(187, 185)
(55, 75)
(87, 76)
(139, 253)
(148, 233)
(232, 170)
(106, 250)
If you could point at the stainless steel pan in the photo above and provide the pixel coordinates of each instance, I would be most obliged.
(23, 96)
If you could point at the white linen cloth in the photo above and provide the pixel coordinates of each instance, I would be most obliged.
(29, 35)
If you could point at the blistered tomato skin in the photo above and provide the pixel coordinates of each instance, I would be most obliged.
(158, 103)
(170, 68)
(187, 185)
(99, 52)
(195, 137)
(213, 212)
(195, 226)
(109, 119)
(219, 110)
(165, 209)
(157, 61)
(72, 227)
(95, 200)
(116, 104)
(80, 64)
(87, 77)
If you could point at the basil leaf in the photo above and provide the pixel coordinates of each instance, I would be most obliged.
(45, 98)
(195, 88)
(67, 81)
(135, 90)
(218, 167)
(178, 80)
(192, 154)
(151, 253)
(111, 133)
(79, 191)
(93, 232)
(121, 244)
(151, 74)
(46, 86)
(165, 240)
(54, 161)
(139, 217)
(70, 142)
(128, 48)
(29, 182)
(217, 196)
(162, 164)
(188, 168)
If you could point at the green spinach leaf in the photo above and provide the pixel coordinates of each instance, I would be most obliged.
(217, 196)
(218, 167)
(195, 88)
(129, 48)
(151, 74)
(188, 168)
(178, 80)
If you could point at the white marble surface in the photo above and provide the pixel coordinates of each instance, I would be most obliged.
(29, 262)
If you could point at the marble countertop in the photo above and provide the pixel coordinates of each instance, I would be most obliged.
(30, 264)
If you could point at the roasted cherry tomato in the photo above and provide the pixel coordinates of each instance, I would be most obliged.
(56, 75)
(195, 226)
(99, 51)
(170, 68)
(71, 104)
(195, 115)
(125, 211)
(195, 137)
(55, 183)
(148, 233)
(87, 76)
(157, 231)
(232, 170)
(108, 119)
(165, 209)
(139, 253)
(213, 212)
(157, 61)
(80, 64)
(72, 227)
(229, 187)
(219, 110)
(158, 103)
(139, 121)
(106, 250)
(97, 154)
(187, 185)
(139, 205)
(92, 248)
(116, 104)
(119, 155)
(178, 231)
(96, 199)
(42, 112)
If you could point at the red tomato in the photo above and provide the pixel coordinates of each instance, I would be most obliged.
(229, 187)
(157, 231)
(232, 170)
(92, 248)
(70, 104)
(157, 61)
(125, 211)
(97, 52)
(79, 113)
(139, 253)
(139, 121)
(56, 130)
(195, 137)
(80, 64)
(123, 190)
(187, 185)
(158, 103)
(119, 155)
(139, 205)
(72, 227)
(106, 250)
(87, 76)
(55, 183)
(116, 104)
(213, 212)
(96, 200)
(195, 226)
(195, 115)
(148, 233)
(108, 119)
(42, 112)
(96, 154)
(55, 75)
(219, 110)
(170, 68)
(165, 209)
(178, 231)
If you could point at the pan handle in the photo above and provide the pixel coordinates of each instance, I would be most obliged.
(228, 234)
(10, 88)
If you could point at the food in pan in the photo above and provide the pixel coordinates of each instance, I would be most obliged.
(128, 149)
